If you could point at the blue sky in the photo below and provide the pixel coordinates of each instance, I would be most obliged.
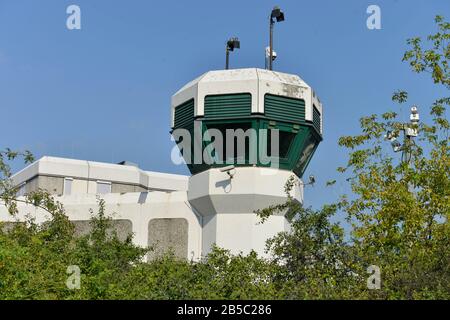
(103, 92)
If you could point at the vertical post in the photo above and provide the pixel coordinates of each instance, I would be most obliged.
(227, 59)
(265, 60)
(271, 43)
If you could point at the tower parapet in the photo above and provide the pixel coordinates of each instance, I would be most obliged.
(251, 99)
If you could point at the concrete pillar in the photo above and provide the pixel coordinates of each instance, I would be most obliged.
(228, 204)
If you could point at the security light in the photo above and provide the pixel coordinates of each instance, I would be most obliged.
(277, 15)
(232, 43)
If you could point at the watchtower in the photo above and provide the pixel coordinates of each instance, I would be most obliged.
(243, 133)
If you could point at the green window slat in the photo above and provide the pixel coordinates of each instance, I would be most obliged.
(316, 119)
(228, 106)
(184, 114)
(284, 108)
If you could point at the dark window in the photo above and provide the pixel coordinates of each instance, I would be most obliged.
(316, 119)
(285, 142)
(222, 127)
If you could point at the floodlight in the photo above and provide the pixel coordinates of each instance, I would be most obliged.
(278, 15)
(232, 43)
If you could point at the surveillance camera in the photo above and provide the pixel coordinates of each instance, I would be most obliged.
(414, 117)
(274, 54)
(227, 168)
(311, 181)
(230, 170)
(412, 132)
(396, 146)
(390, 135)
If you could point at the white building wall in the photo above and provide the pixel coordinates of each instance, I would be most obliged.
(228, 206)
(218, 209)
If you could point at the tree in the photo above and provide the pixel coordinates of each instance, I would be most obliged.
(34, 258)
(399, 209)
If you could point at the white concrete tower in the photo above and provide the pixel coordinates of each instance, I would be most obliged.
(275, 111)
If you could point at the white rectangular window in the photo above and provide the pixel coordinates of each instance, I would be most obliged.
(103, 187)
(67, 186)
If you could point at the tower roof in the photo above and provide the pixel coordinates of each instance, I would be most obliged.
(257, 82)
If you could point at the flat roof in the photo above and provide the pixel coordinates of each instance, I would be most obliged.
(92, 170)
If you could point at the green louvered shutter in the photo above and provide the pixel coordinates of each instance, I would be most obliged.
(284, 108)
(316, 119)
(184, 114)
(228, 106)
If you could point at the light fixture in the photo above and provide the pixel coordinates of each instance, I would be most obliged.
(276, 15)
(232, 43)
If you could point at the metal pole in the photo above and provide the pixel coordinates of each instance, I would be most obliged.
(266, 66)
(271, 43)
(227, 62)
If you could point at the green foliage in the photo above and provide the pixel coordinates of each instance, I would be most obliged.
(33, 264)
(219, 276)
(434, 60)
(313, 260)
(400, 207)
(398, 210)
(34, 260)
